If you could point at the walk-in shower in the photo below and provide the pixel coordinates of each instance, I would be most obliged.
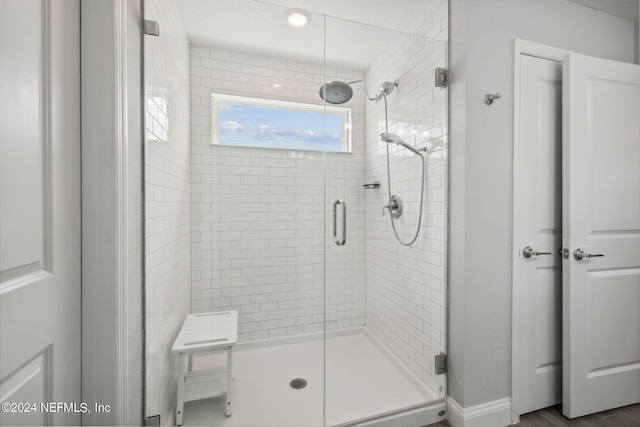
(259, 140)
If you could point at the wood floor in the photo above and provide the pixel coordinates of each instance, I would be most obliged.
(629, 416)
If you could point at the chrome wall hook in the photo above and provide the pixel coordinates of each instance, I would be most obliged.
(488, 99)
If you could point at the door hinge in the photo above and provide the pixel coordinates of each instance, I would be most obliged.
(152, 421)
(441, 364)
(442, 77)
(151, 28)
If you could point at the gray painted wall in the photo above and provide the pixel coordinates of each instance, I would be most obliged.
(481, 61)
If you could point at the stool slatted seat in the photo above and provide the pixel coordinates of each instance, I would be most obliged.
(201, 333)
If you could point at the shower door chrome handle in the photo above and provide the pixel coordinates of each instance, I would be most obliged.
(344, 222)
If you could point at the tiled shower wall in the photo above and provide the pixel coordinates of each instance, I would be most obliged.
(259, 216)
(168, 203)
(406, 286)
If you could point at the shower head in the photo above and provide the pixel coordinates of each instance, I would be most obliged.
(392, 138)
(386, 88)
(337, 92)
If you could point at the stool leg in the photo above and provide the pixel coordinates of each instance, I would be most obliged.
(180, 403)
(229, 379)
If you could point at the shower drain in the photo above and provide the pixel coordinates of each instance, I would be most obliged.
(298, 383)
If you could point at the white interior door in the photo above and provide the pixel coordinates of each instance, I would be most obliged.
(39, 209)
(538, 213)
(601, 216)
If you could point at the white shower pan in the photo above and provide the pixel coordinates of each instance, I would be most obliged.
(365, 385)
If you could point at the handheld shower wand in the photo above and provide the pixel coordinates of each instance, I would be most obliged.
(392, 138)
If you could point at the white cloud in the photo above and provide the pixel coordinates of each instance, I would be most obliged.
(231, 126)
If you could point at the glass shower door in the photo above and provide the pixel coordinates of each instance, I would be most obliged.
(234, 156)
(245, 165)
(385, 299)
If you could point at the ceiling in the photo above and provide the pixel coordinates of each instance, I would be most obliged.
(626, 9)
(365, 27)
(391, 14)
(401, 11)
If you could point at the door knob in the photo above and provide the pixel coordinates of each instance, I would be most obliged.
(528, 252)
(578, 254)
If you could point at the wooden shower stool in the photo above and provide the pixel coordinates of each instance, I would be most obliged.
(201, 333)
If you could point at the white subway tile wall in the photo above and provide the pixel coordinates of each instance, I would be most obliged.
(260, 217)
(406, 286)
(167, 203)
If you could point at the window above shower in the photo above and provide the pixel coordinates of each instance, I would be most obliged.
(241, 121)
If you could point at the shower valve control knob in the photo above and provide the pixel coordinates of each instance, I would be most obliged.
(394, 207)
(528, 252)
(578, 255)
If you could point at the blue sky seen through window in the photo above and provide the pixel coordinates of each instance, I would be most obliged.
(244, 125)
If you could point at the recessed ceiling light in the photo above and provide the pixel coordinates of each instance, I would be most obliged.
(297, 18)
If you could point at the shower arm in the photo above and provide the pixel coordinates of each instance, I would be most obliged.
(376, 98)
(385, 89)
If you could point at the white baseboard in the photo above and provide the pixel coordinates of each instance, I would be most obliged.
(490, 414)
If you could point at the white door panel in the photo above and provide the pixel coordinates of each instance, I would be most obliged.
(39, 208)
(538, 216)
(24, 138)
(601, 215)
